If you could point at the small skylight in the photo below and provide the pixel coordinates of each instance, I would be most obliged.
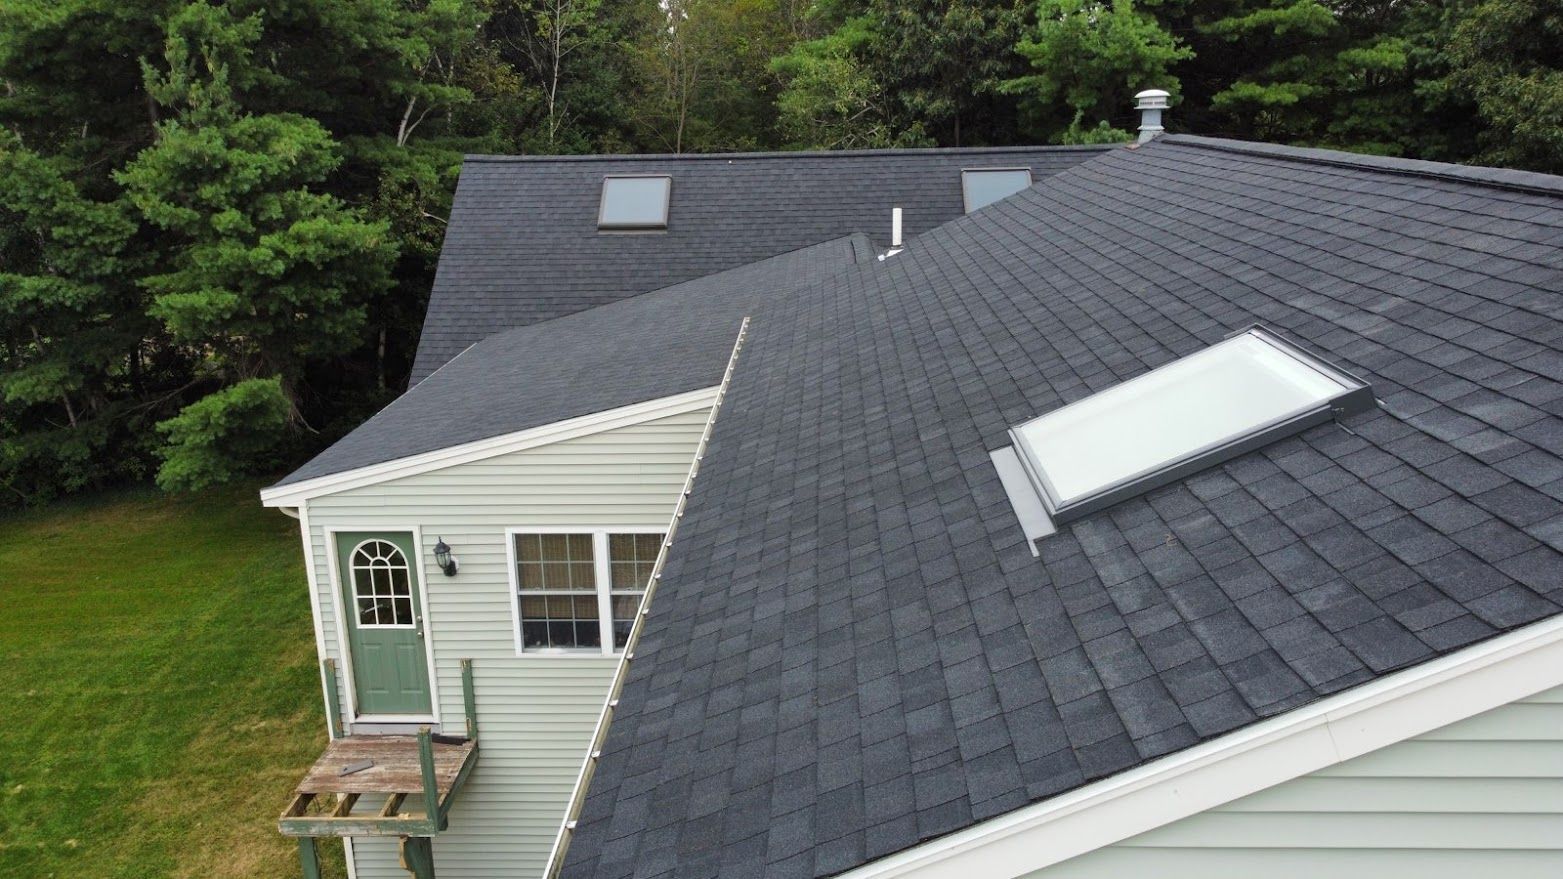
(1224, 401)
(981, 187)
(634, 202)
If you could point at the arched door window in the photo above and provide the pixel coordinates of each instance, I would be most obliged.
(382, 585)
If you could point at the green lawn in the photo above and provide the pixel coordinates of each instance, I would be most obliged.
(158, 687)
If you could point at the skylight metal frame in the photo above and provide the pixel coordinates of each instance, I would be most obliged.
(603, 224)
(966, 195)
(1356, 397)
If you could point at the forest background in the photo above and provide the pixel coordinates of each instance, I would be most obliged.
(219, 221)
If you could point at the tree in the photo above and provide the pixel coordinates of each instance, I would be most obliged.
(1507, 58)
(268, 272)
(829, 100)
(1087, 57)
(551, 33)
(1338, 73)
(703, 75)
(71, 324)
(941, 61)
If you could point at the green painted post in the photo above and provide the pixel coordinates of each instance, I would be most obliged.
(418, 856)
(431, 788)
(469, 699)
(309, 857)
(333, 702)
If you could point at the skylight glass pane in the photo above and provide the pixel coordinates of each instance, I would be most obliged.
(1233, 390)
(982, 188)
(634, 203)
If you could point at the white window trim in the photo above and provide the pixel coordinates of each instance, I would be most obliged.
(344, 647)
(1363, 719)
(295, 494)
(604, 590)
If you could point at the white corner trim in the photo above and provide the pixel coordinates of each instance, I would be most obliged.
(1363, 719)
(321, 655)
(571, 428)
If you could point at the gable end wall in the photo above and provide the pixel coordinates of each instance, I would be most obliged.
(536, 714)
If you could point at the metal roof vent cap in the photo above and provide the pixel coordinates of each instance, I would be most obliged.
(1150, 103)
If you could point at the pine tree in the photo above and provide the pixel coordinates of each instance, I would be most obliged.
(71, 325)
(267, 272)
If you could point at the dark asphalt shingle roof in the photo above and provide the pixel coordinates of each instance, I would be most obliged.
(523, 244)
(853, 649)
(654, 345)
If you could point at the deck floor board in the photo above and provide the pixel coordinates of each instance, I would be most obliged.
(395, 768)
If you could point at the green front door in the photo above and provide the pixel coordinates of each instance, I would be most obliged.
(384, 622)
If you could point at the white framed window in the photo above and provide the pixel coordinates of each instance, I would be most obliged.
(576, 591)
(382, 586)
(635, 202)
(981, 187)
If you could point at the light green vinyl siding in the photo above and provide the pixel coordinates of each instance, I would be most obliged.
(1481, 797)
(536, 713)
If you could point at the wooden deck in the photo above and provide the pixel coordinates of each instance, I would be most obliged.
(392, 797)
(396, 769)
(410, 783)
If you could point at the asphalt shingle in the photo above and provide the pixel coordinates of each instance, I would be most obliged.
(848, 477)
(523, 246)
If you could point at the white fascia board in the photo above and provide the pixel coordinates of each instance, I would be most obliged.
(572, 428)
(1335, 729)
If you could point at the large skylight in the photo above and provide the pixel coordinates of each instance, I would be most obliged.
(981, 187)
(634, 203)
(1230, 398)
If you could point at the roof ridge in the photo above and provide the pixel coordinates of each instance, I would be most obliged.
(790, 154)
(1499, 178)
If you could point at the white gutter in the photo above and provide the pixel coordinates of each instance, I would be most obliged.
(583, 778)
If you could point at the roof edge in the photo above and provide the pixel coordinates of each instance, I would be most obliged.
(788, 154)
(565, 834)
(1501, 178)
(1335, 729)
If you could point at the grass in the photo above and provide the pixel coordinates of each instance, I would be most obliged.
(158, 688)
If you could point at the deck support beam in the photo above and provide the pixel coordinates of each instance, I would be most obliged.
(431, 789)
(333, 699)
(309, 857)
(469, 699)
(418, 856)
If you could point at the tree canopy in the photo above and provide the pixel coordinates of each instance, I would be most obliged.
(220, 221)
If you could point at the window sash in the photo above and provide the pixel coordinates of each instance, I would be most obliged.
(640, 555)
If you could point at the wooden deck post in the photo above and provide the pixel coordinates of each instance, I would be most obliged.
(309, 857)
(469, 700)
(418, 856)
(431, 788)
(333, 701)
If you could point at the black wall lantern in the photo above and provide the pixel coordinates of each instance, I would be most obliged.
(444, 559)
